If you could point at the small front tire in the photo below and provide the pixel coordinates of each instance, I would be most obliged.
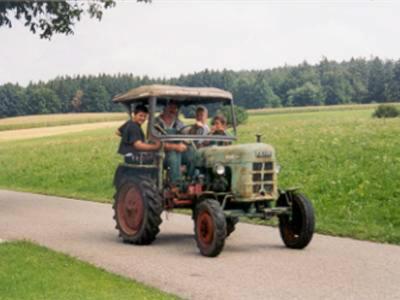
(210, 227)
(296, 228)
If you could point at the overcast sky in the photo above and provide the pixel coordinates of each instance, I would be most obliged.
(169, 38)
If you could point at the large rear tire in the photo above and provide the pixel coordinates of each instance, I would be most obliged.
(137, 211)
(297, 228)
(210, 227)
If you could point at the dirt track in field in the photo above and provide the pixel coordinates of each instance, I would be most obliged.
(23, 134)
(253, 265)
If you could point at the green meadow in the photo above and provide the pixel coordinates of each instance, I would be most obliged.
(28, 271)
(345, 161)
(319, 108)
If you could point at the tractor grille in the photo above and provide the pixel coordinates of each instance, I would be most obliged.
(260, 177)
(258, 166)
(263, 178)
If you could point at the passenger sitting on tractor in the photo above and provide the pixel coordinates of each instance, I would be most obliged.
(177, 153)
(218, 128)
(133, 145)
(200, 127)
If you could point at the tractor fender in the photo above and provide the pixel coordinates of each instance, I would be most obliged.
(126, 171)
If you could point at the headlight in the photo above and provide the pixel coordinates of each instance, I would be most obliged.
(219, 169)
(277, 168)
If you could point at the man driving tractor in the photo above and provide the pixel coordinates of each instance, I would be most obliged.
(176, 153)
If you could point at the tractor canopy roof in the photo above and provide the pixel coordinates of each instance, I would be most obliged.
(182, 95)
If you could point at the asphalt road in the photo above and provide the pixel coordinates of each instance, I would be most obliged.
(253, 265)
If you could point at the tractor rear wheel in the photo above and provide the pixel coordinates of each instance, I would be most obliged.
(210, 227)
(137, 211)
(297, 228)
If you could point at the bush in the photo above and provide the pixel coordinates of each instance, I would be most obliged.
(240, 112)
(386, 111)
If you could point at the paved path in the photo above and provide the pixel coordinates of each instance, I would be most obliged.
(253, 265)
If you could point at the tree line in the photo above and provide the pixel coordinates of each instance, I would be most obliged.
(358, 80)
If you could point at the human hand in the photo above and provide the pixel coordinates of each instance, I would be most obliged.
(157, 144)
(181, 147)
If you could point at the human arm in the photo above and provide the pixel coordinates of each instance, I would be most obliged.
(134, 136)
(199, 124)
(181, 147)
(142, 146)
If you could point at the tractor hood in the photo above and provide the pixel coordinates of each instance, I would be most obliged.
(251, 169)
(236, 154)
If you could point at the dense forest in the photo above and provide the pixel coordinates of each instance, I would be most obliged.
(326, 83)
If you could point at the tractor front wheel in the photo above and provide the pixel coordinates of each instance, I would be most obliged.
(296, 228)
(210, 227)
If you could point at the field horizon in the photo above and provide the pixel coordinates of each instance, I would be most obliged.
(50, 120)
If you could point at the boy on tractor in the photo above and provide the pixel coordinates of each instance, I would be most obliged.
(132, 145)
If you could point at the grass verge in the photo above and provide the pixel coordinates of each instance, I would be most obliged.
(28, 271)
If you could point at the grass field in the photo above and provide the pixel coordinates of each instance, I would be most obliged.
(58, 120)
(28, 271)
(346, 162)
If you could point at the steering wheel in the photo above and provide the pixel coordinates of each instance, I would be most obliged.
(160, 129)
(185, 129)
(199, 130)
(188, 129)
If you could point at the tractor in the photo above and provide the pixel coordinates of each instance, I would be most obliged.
(231, 180)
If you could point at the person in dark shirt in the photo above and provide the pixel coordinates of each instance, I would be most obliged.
(132, 136)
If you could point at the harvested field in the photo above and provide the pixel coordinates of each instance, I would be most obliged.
(36, 121)
(23, 134)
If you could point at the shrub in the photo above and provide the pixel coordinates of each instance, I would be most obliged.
(386, 111)
(240, 112)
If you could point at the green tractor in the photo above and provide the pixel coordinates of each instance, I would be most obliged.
(231, 181)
